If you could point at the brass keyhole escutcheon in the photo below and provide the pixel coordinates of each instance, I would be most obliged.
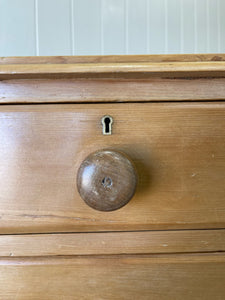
(107, 122)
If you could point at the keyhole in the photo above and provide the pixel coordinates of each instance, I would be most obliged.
(107, 122)
(107, 125)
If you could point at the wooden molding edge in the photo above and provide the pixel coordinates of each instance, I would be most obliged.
(112, 58)
(111, 90)
(114, 70)
(130, 78)
(110, 243)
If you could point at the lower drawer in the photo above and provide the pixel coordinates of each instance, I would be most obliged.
(158, 277)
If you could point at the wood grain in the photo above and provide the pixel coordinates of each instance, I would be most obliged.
(111, 90)
(112, 58)
(115, 70)
(114, 277)
(112, 78)
(178, 150)
(107, 243)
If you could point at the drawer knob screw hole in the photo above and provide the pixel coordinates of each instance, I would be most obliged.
(107, 125)
(107, 182)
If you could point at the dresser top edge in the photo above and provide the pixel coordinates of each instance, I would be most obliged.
(105, 67)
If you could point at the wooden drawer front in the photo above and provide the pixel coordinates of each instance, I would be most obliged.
(114, 277)
(178, 150)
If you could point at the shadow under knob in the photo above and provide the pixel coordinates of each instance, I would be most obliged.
(106, 180)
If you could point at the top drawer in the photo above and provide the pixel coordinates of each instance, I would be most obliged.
(177, 148)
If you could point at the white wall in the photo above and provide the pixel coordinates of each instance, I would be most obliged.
(90, 27)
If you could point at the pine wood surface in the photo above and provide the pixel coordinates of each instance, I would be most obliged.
(111, 90)
(115, 70)
(165, 277)
(124, 78)
(112, 243)
(112, 59)
(143, 66)
(168, 242)
(177, 148)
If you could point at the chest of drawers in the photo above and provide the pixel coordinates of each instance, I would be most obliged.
(165, 115)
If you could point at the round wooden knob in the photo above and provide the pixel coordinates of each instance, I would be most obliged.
(106, 180)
